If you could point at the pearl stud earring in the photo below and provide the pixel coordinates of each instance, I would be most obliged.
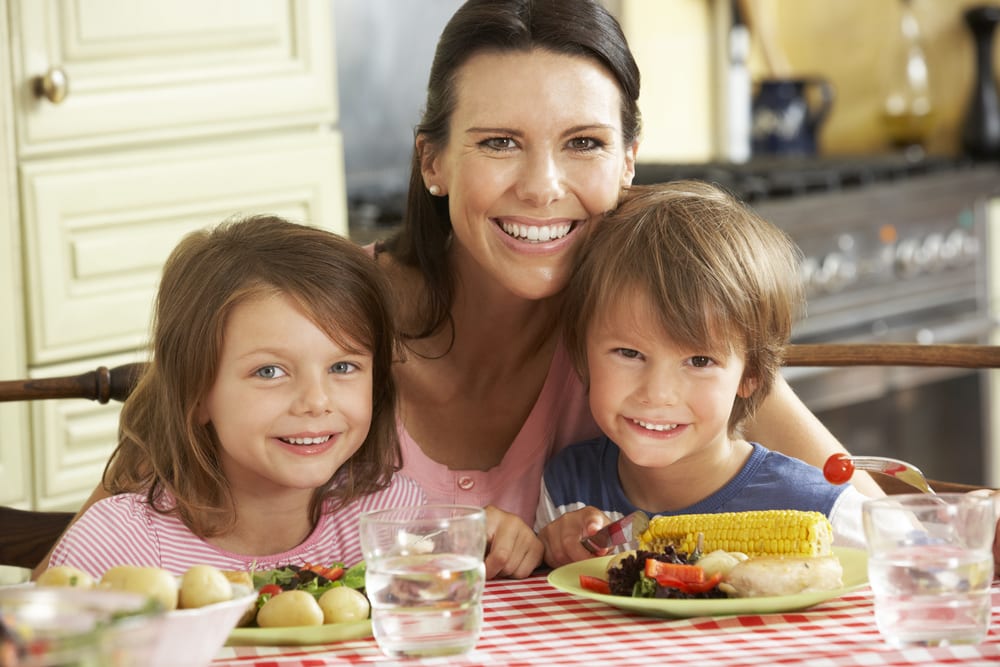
(434, 190)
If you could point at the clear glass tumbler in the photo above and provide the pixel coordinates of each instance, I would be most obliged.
(930, 564)
(425, 577)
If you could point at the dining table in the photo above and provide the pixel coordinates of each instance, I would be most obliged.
(529, 622)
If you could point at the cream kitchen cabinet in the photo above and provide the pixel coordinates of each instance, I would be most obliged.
(173, 116)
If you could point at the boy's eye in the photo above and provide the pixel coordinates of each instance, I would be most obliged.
(343, 367)
(699, 361)
(269, 372)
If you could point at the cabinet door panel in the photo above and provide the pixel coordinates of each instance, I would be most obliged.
(148, 69)
(97, 230)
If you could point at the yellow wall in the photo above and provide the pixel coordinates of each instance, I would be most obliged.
(849, 42)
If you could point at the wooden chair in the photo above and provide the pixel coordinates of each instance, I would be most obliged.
(26, 536)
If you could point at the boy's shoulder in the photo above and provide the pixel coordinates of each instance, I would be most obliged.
(583, 452)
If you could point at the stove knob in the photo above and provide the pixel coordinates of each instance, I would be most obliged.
(808, 272)
(953, 248)
(930, 252)
(836, 272)
(908, 258)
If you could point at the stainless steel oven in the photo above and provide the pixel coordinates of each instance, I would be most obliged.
(893, 251)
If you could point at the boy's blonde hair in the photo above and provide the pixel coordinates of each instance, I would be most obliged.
(163, 447)
(716, 275)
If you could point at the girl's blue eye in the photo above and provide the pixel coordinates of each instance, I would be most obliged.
(343, 367)
(629, 353)
(269, 372)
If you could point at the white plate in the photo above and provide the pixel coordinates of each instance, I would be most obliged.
(567, 578)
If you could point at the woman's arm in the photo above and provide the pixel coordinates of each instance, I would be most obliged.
(785, 424)
(98, 494)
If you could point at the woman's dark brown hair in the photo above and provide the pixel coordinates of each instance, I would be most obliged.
(163, 448)
(581, 28)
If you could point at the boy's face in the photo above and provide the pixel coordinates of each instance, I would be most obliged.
(288, 404)
(659, 403)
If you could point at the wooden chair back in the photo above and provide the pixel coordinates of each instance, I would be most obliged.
(26, 536)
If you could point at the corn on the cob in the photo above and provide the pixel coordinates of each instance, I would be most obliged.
(756, 533)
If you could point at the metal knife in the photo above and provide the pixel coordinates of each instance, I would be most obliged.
(624, 530)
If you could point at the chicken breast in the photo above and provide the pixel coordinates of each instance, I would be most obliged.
(775, 575)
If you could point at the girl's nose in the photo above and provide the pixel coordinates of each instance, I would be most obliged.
(542, 180)
(314, 397)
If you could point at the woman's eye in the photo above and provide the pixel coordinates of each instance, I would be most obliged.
(269, 372)
(629, 353)
(499, 143)
(585, 144)
(343, 367)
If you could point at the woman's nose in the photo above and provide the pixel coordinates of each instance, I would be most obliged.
(542, 180)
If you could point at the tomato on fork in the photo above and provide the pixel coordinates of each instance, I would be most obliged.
(838, 469)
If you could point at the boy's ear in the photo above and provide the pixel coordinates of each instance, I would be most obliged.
(748, 385)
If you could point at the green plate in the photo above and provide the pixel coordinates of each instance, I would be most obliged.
(301, 635)
(567, 578)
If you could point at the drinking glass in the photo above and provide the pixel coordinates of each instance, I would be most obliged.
(425, 577)
(930, 564)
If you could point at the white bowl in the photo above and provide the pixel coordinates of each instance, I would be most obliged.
(192, 637)
(77, 626)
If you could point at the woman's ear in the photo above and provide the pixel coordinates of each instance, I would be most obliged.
(630, 155)
(429, 164)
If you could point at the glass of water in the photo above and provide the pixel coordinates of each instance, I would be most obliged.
(930, 564)
(425, 577)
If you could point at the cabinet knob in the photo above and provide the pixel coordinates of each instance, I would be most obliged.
(53, 85)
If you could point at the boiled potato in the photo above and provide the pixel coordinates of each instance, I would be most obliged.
(203, 585)
(65, 575)
(289, 609)
(154, 582)
(343, 604)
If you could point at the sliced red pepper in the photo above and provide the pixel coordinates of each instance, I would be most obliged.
(594, 584)
(679, 571)
(690, 587)
(329, 573)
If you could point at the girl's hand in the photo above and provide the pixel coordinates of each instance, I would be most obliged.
(512, 549)
(562, 537)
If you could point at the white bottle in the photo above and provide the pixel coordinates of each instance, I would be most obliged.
(737, 95)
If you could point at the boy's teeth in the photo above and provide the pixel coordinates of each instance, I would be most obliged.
(655, 427)
(307, 441)
(536, 234)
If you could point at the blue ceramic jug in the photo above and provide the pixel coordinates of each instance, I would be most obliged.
(787, 114)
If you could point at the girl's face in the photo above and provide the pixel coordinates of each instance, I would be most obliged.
(535, 151)
(661, 404)
(289, 405)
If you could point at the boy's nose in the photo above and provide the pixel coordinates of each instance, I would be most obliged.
(659, 388)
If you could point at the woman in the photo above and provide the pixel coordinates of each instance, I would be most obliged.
(529, 134)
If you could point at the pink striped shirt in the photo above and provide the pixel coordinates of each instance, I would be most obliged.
(123, 530)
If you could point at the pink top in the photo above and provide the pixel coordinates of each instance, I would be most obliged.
(561, 416)
(123, 530)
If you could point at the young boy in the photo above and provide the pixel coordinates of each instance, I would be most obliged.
(677, 314)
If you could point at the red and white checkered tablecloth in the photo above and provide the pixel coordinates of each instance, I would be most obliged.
(528, 622)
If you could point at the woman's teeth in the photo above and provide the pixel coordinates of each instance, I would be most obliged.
(654, 427)
(536, 234)
(306, 441)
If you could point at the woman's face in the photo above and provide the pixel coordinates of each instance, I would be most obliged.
(535, 152)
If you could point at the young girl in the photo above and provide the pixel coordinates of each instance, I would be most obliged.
(676, 315)
(265, 423)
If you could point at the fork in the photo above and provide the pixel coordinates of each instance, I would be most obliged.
(904, 472)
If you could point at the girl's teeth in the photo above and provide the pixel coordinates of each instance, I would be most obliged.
(535, 234)
(655, 427)
(307, 441)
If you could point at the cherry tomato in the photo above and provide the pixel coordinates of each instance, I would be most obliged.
(838, 469)
(270, 590)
